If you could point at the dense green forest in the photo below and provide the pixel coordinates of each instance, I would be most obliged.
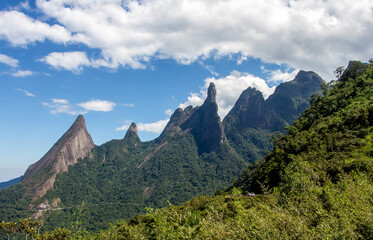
(116, 185)
(317, 183)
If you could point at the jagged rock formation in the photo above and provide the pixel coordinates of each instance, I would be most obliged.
(285, 105)
(252, 119)
(177, 118)
(202, 122)
(132, 132)
(74, 144)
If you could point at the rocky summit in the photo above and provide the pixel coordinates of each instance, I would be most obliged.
(74, 144)
(281, 108)
(202, 122)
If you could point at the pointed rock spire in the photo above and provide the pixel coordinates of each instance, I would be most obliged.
(211, 93)
(132, 132)
(202, 122)
(74, 144)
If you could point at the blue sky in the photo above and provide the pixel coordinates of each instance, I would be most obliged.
(121, 61)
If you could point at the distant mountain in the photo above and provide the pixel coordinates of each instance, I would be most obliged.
(10, 182)
(252, 119)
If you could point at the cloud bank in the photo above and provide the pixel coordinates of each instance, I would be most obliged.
(310, 34)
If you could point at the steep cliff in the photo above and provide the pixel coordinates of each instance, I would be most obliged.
(74, 144)
(202, 122)
(252, 119)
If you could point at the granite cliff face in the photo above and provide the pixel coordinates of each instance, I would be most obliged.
(280, 110)
(252, 119)
(202, 122)
(74, 144)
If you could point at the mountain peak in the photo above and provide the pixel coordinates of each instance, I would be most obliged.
(132, 132)
(211, 93)
(307, 76)
(74, 144)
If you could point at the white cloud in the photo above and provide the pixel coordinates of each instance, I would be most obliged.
(124, 127)
(307, 34)
(22, 73)
(168, 112)
(60, 101)
(279, 76)
(20, 29)
(98, 105)
(8, 60)
(27, 93)
(156, 127)
(310, 34)
(229, 89)
(72, 61)
(64, 106)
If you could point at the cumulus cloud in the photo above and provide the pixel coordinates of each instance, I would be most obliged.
(64, 106)
(27, 93)
(98, 105)
(228, 90)
(8, 60)
(20, 29)
(308, 34)
(305, 34)
(22, 73)
(72, 61)
(279, 76)
(156, 127)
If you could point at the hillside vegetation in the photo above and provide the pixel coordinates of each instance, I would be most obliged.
(316, 184)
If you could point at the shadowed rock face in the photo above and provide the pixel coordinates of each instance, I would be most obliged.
(285, 105)
(74, 144)
(177, 118)
(202, 122)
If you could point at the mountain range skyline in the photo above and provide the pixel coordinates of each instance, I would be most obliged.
(119, 62)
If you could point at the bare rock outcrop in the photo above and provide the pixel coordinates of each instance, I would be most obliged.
(202, 122)
(74, 144)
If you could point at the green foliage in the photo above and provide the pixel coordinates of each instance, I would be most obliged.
(317, 183)
(318, 180)
(126, 176)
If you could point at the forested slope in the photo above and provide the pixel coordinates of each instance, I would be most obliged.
(316, 184)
